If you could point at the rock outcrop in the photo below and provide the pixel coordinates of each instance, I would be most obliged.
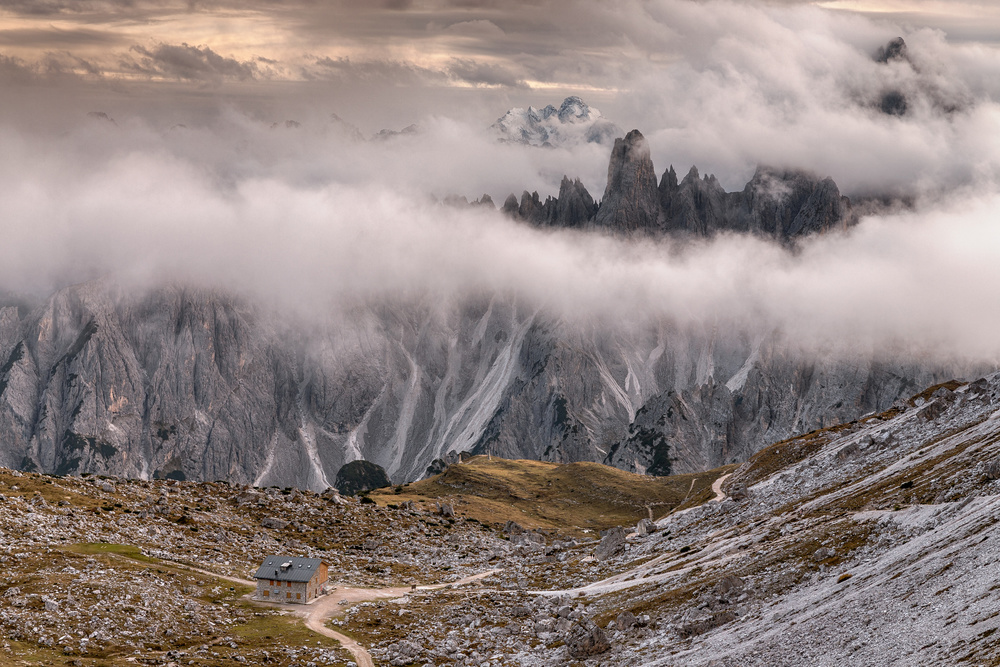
(631, 201)
(779, 204)
(894, 50)
(611, 545)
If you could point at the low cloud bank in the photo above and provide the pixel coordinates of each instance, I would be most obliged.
(923, 282)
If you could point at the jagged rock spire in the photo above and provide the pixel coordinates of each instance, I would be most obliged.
(575, 207)
(894, 50)
(777, 203)
(631, 200)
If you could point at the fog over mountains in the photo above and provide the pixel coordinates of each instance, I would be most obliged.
(150, 379)
(261, 287)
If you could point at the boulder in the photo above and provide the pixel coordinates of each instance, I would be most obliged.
(611, 545)
(625, 621)
(587, 639)
(513, 528)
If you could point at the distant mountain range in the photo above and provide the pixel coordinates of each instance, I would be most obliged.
(781, 204)
(574, 122)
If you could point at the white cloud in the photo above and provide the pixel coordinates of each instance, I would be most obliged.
(921, 281)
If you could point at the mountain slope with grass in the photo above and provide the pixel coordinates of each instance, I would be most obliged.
(567, 497)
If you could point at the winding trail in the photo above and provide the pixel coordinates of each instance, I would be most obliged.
(316, 614)
(717, 498)
(717, 488)
(641, 574)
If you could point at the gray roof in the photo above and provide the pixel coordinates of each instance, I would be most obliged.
(297, 569)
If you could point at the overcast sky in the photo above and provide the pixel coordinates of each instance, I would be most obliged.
(724, 84)
(389, 63)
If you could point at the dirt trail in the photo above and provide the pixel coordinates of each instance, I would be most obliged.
(639, 574)
(316, 614)
(216, 575)
(718, 498)
(319, 612)
(717, 488)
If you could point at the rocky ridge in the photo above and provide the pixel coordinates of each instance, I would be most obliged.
(193, 384)
(779, 204)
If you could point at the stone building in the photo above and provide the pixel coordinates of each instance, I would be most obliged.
(290, 579)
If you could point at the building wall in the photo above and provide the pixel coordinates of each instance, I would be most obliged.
(316, 583)
(293, 592)
(283, 591)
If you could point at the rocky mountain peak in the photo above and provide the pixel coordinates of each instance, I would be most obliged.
(575, 206)
(894, 50)
(692, 176)
(575, 110)
(669, 180)
(631, 198)
(573, 122)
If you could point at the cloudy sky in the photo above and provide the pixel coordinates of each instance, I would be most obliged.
(388, 63)
(725, 84)
(148, 140)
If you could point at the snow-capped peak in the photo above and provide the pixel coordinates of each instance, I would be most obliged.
(574, 122)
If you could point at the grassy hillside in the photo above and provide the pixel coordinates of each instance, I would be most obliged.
(569, 498)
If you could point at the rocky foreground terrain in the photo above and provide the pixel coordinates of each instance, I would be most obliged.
(873, 542)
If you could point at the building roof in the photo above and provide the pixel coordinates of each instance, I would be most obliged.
(288, 568)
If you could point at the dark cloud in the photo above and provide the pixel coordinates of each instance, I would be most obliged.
(16, 70)
(371, 71)
(486, 74)
(723, 84)
(71, 7)
(188, 63)
(60, 39)
(54, 69)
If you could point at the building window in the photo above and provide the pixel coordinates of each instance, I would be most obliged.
(288, 595)
(298, 596)
(288, 583)
(267, 593)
